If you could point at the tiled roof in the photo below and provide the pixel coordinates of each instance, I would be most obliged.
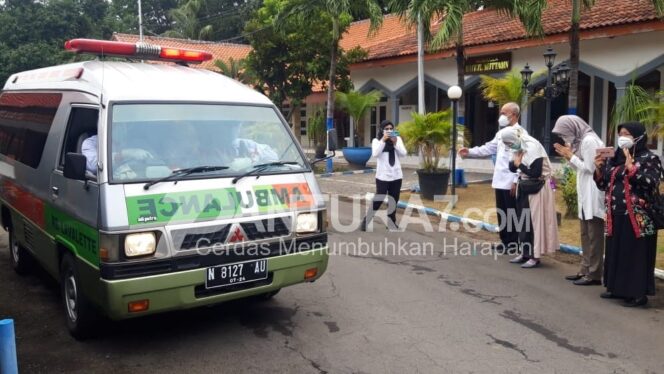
(220, 51)
(358, 33)
(488, 26)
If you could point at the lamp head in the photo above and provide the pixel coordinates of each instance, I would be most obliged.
(454, 92)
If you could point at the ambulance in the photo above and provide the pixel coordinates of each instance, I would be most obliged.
(146, 187)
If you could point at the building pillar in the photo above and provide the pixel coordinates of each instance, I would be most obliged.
(394, 101)
(597, 100)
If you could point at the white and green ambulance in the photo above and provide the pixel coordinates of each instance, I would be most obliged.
(149, 187)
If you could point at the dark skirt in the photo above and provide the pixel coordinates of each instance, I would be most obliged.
(629, 263)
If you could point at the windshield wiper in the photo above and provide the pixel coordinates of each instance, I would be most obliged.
(261, 167)
(177, 174)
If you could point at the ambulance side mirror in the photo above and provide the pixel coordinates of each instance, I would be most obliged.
(74, 166)
(332, 140)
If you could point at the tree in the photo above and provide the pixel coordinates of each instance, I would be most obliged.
(189, 22)
(574, 45)
(356, 104)
(634, 105)
(32, 33)
(340, 12)
(123, 15)
(450, 30)
(285, 61)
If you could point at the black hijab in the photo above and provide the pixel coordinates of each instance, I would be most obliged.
(389, 146)
(636, 129)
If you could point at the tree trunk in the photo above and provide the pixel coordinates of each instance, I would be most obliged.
(296, 121)
(333, 74)
(461, 67)
(574, 58)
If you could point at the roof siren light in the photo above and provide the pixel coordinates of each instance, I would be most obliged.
(137, 50)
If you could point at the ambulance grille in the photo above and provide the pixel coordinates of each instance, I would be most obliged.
(267, 228)
(200, 237)
(29, 235)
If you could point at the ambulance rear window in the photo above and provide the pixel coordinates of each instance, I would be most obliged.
(25, 120)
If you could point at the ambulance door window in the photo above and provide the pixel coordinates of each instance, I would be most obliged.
(82, 126)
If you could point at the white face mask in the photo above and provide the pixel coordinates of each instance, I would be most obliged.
(503, 121)
(625, 142)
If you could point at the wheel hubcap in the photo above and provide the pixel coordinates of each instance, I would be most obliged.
(71, 295)
(15, 251)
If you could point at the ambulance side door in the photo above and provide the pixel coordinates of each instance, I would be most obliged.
(75, 215)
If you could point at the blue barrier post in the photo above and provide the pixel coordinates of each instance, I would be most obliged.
(8, 363)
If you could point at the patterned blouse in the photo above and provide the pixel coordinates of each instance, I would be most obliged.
(630, 193)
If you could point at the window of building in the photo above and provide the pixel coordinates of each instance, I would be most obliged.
(25, 120)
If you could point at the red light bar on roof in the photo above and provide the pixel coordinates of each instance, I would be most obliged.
(138, 50)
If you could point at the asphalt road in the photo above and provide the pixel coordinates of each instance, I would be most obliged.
(434, 312)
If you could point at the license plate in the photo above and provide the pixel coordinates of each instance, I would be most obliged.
(236, 273)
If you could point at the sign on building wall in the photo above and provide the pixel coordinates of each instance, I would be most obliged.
(488, 64)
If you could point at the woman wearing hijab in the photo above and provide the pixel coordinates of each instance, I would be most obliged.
(631, 181)
(535, 200)
(387, 148)
(580, 149)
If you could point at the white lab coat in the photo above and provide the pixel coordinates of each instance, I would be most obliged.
(503, 178)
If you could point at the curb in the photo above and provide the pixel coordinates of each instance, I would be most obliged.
(348, 172)
(485, 226)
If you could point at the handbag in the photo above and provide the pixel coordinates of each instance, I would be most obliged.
(530, 186)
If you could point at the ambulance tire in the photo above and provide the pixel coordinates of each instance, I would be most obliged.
(19, 257)
(80, 315)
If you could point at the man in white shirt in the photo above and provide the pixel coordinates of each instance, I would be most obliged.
(580, 149)
(504, 181)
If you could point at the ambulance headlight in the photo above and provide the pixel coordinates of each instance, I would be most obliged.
(306, 222)
(140, 244)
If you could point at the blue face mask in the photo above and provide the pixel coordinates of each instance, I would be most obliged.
(515, 147)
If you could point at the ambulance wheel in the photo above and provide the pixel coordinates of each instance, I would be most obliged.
(19, 256)
(80, 315)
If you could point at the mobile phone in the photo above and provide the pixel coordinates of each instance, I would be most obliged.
(394, 134)
(606, 152)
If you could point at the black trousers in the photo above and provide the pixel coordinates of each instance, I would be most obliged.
(506, 203)
(384, 188)
(525, 235)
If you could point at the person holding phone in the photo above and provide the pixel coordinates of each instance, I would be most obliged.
(387, 148)
(631, 182)
(581, 146)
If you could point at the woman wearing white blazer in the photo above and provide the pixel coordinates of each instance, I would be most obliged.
(387, 148)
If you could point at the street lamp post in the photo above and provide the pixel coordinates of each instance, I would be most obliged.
(454, 93)
(556, 84)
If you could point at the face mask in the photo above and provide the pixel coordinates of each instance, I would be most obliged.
(516, 147)
(625, 142)
(503, 121)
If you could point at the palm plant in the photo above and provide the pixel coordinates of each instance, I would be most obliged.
(577, 6)
(654, 115)
(356, 104)
(633, 107)
(430, 134)
(451, 12)
(186, 22)
(233, 69)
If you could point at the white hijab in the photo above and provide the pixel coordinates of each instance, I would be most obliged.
(531, 148)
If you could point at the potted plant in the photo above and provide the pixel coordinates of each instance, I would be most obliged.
(356, 105)
(316, 132)
(430, 134)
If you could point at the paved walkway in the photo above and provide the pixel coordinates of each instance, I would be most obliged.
(360, 184)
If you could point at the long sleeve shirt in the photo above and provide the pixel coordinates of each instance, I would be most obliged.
(503, 178)
(385, 171)
(590, 198)
(89, 150)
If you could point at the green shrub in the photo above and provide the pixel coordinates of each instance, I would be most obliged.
(569, 192)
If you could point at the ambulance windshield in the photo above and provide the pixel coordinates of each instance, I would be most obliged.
(150, 141)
